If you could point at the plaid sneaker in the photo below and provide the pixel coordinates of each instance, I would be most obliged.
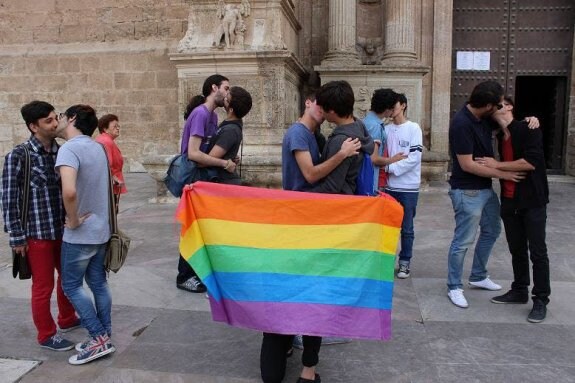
(193, 285)
(96, 348)
(57, 343)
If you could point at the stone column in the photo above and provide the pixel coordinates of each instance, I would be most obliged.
(399, 30)
(341, 34)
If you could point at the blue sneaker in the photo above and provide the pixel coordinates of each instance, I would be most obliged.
(97, 347)
(82, 345)
(73, 326)
(57, 343)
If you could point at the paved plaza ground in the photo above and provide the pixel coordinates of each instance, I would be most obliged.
(166, 335)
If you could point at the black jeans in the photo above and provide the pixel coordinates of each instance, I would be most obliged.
(273, 355)
(185, 271)
(525, 232)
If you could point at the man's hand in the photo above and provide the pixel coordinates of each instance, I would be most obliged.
(532, 122)
(350, 147)
(513, 176)
(75, 222)
(490, 162)
(397, 157)
(236, 160)
(20, 249)
(230, 166)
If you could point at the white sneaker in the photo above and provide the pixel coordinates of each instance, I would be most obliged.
(457, 298)
(486, 284)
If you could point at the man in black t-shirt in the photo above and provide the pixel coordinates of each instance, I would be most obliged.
(228, 139)
(475, 204)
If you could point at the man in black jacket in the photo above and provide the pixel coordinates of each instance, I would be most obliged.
(336, 100)
(523, 210)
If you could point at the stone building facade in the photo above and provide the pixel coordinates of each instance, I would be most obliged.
(143, 59)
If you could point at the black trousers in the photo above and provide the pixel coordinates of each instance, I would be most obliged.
(185, 271)
(274, 353)
(525, 232)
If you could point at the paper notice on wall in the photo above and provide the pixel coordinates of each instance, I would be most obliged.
(464, 60)
(481, 60)
(468, 60)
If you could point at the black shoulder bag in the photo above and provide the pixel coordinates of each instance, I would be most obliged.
(20, 265)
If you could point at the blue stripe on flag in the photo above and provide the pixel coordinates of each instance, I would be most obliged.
(261, 287)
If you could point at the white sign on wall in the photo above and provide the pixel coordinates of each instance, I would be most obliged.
(468, 60)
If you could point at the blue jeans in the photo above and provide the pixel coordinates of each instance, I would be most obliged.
(79, 261)
(473, 209)
(409, 203)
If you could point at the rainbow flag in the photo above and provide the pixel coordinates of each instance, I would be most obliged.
(292, 262)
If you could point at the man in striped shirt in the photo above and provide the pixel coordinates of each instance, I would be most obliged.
(41, 237)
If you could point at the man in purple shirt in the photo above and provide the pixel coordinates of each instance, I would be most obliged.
(200, 127)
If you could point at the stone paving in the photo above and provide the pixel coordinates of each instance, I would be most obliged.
(163, 334)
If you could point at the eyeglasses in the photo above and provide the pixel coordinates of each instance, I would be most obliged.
(499, 106)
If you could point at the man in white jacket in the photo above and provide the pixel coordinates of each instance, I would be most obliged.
(404, 177)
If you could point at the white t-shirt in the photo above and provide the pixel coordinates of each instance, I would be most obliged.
(404, 175)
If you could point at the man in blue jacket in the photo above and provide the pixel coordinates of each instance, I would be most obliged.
(523, 210)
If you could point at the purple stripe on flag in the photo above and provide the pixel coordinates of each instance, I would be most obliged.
(306, 319)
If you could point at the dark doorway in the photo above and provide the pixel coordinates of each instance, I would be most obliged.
(527, 46)
(545, 98)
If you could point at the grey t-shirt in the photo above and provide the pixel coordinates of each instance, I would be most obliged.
(92, 188)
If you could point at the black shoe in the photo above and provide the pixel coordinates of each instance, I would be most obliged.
(403, 271)
(538, 312)
(316, 380)
(511, 297)
(193, 285)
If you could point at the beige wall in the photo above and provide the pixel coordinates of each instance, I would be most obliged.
(109, 54)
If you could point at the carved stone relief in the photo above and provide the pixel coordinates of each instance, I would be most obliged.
(370, 21)
(372, 49)
(232, 27)
(230, 24)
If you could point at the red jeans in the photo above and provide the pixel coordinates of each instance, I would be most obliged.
(44, 257)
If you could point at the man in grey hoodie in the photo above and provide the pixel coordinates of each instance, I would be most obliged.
(336, 100)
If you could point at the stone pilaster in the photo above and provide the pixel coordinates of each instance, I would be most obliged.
(441, 75)
(341, 35)
(399, 30)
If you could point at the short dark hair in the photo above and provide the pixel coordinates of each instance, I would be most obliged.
(105, 120)
(337, 96)
(241, 101)
(486, 92)
(402, 99)
(383, 99)
(311, 95)
(86, 120)
(35, 110)
(195, 101)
